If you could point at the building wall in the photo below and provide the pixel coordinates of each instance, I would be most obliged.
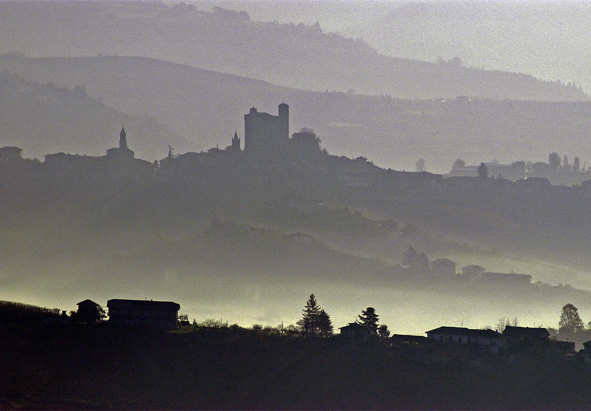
(483, 341)
(154, 314)
(264, 131)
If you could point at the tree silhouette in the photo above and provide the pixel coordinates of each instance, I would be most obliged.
(410, 256)
(324, 324)
(423, 263)
(418, 262)
(576, 165)
(459, 163)
(315, 321)
(383, 331)
(369, 319)
(311, 315)
(570, 321)
(420, 165)
(565, 165)
(554, 160)
(482, 170)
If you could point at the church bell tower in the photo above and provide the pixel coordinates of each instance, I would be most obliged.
(122, 139)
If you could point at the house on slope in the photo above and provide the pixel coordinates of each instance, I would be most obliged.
(526, 334)
(443, 268)
(143, 313)
(586, 352)
(468, 337)
(354, 331)
(10, 155)
(89, 312)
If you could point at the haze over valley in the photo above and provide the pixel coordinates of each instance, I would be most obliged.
(375, 118)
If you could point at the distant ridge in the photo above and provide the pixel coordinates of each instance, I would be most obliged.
(206, 108)
(43, 119)
(300, 56)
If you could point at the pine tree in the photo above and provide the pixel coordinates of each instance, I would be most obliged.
(554, 160)
(565, 165)
(324, 324)
(315, 321)
(576, 165)
(369, 319)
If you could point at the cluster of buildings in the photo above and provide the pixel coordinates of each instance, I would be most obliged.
(445, 269)
(161, 315)
(520, 170)
(267, 143)
(476, 346)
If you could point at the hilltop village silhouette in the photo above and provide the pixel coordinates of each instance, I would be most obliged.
(268, 146)
(267, 143)
(300, 162)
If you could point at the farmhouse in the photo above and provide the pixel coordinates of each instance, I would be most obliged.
(143, 313)
(466, 336)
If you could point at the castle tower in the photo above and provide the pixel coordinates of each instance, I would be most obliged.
(284, 121)
(265, 133)
(122, 139)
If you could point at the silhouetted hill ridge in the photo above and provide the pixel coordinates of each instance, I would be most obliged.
(206, 108)
(44, 119)
(300, 56)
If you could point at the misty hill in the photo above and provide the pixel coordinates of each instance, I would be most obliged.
(505, 36)
(508, 36)
(206, 107)
(300, 56)
(43, 119)
(280, 235)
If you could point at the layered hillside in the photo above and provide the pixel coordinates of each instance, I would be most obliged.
(206, 107)
(229, 237)
(44, 119)
(300, 56)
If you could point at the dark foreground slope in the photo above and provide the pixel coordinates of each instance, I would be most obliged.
(68, 366)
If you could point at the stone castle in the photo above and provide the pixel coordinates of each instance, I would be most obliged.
(264, 132)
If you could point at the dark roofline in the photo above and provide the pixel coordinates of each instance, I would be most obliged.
(119, 303)
(353, 325)
(406, 337)
(526, 331)
(87, 301)
(465, 331)
(11, 149)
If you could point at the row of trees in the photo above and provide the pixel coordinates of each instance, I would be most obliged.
(565, 166)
